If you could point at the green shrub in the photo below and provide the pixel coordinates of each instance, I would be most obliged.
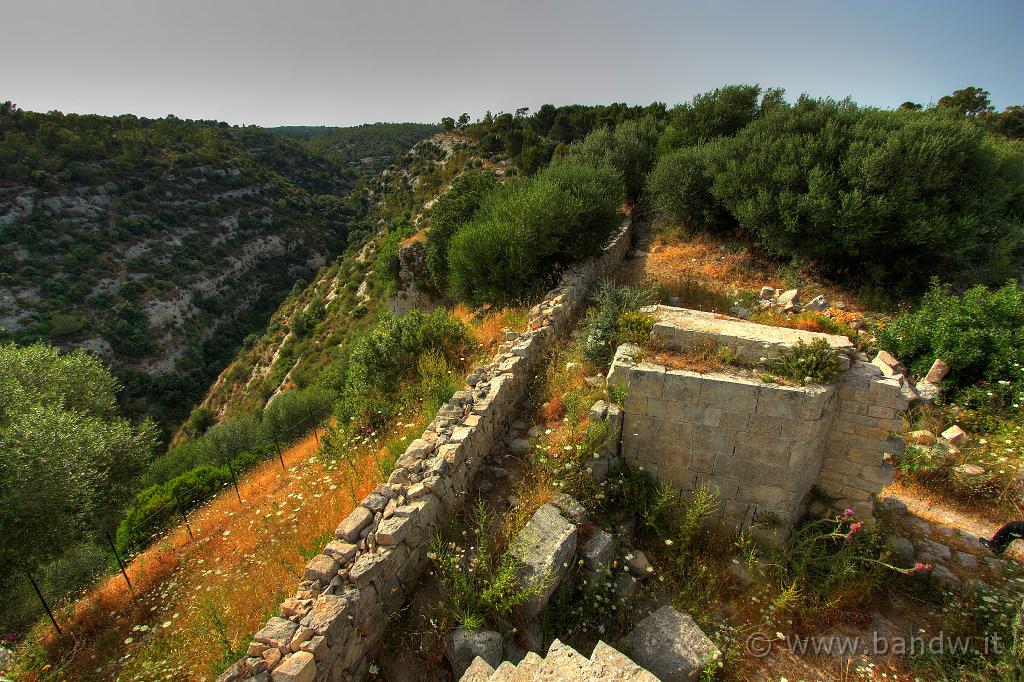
(451, 212)
(480, 585)
(597, 191)
(807, 363)
(604, 326)
(980, 335)
(508, 249)
(679, 189)
(386, 360)
(630, 148)
(635, 327)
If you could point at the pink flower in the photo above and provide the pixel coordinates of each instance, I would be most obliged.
(854, 527)
(921, 568)
(848, 512)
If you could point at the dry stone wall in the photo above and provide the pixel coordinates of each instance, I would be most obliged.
(762, 446)
(333, 625)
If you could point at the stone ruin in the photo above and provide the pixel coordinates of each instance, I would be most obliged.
(762, 446)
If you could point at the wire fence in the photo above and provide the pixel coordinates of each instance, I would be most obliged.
(184, 502)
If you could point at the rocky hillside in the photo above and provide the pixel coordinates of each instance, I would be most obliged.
(159, 244)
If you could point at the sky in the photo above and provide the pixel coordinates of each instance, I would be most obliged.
(338, 62)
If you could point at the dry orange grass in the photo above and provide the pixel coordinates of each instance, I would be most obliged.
(200, 601)
(488, 325)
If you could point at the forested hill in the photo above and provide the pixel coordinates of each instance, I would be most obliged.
(363, 149)
(160, 244)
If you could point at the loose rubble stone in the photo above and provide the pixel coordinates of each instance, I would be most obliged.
(938, 372)
(670, 645)
(902, 550)
(322, 568)
(545, 548)
(739, 573)
(639, 565)
(598, 552)
(466, 645)
(954, 435)
(598, 410)
(519, 446)
(789, 299)
(921, 437)
(277, 633)
(818, 304)
(943, 577)
(570, 508)
(767, 293)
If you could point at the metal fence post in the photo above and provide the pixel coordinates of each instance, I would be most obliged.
(313, 422)
(235, 481)
(42, 599)
(120, 563)
(280, 456)
(181, 510)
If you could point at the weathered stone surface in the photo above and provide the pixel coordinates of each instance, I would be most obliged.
(322, 568)
(789, 298)
(349, 529)
(570, 508)
(639, 565)
(670, 645)
(278, 632)
(607, 663)
(954, 435)
(598, 410)
(299, 667)
(519, 446)
(545, 548)
(902, 551)
(466, 645)
(599, 551)
(342, 552)
(479, 671)
(392, 531)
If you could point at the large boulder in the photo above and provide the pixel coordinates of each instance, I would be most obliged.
(670, 645)
(466, 645)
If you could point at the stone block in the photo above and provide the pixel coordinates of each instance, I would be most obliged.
(671, 646)
(392, 531)
(702, 462)
(598, 411)
(647, 380)
(349, 529)
(954, 435)
(299, 667)
(682, 387)
(937, 373)
(322, 568)
(342, 552)
(598, 552)
(277, 633)
(740, 394)
(545, 549)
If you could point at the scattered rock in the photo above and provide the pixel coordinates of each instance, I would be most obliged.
(938, 372)
(624, 585)
(767, 294)
(570, 508)
(349, 529)
(739, 573)
(943, 577)
(902, 550)
(921, 437)
(639, 565)
(969, 471)
(465, 645)
(519, 446)
(598, 551)
(927, 391)
(789, 299)
(818, 304)
(598, 410)
(954, 435)
(670, 645)
(595, 381)
(889, 365)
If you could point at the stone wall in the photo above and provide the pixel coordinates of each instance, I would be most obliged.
(333, 626)
(763, 446)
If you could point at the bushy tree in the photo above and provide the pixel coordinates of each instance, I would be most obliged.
(631, 148)
(507, 250)
(597, 191)
(970, 101)
(679, 188)
(67, 460)
(721, 112)
(452, 211)
(890, 197)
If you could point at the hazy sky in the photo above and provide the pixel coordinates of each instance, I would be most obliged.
(337, 62)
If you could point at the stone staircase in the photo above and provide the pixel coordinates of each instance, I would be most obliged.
(562, 663)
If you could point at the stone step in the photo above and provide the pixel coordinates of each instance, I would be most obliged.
(528, 668)
(504, 672)
(478, 671)
(565, 663)
(607, 663)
